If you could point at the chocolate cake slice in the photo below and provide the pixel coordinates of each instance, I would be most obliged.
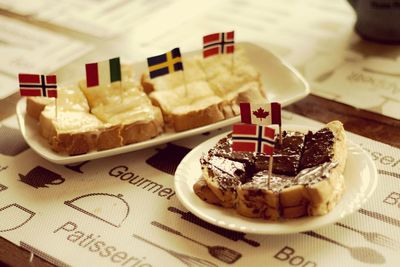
(223, 176)
(224, 149)
(286, 155)
(318, 148)
(286, 163)
(323, 165)
(307, 178)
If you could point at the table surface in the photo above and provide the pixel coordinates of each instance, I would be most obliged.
(361, 122)
(364, 123)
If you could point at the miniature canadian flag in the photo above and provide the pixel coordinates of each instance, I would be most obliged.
(261, 113)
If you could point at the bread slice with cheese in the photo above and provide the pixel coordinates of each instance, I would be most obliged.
(71, 129)
(125, 105)
(224, 86)
(188, 106)
(77, 132)
(83, 119)
(36, 104)
(233, 78)
(227, 73)
(193, 72)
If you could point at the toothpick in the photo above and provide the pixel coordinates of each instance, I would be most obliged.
(31, 257)
(55, 102)
(280, 134)
(204, 70)
(271, 159)
(121, 90)
(232, 63)
(184, 83)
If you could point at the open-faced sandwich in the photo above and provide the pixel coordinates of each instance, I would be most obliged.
(96, 118)
(125, 112)
(210, 90)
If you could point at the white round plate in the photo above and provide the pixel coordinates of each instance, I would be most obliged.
(360, 180)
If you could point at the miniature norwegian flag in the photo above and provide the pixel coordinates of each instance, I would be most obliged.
(253, 138)
(37, 85)
(218, 43)
(261, 114)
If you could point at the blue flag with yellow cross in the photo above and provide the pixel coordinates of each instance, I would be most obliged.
(165, 63)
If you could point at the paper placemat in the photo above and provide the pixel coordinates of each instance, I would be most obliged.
(132, 195)
(367, 78)
(97, 18)
(23, 50)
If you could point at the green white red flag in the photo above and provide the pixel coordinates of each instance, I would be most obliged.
(103, 73)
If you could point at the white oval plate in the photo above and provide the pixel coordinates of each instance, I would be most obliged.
(284, 84)
(361, 179)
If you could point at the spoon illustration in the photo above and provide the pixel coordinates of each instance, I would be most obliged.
(222, 253)
(190, 261)
(373, 237)
(363, 254)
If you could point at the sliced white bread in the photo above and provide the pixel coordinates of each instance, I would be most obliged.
(114, 116)
(36, 104)
(190, 106)
(125, 105)
(193, 72)
(225, 87)
(71, 129)
(234, 79)
(76, 132)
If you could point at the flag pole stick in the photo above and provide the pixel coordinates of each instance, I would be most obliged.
(122, 91)
(232, 63)
(184, 83)
(271, 159)
(204, 70)
(55, 101)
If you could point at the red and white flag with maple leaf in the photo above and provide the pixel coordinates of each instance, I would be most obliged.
(261, 114)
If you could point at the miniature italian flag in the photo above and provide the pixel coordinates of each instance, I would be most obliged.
(103, 73)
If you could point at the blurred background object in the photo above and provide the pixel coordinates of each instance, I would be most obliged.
(316, 36)
(378, 20)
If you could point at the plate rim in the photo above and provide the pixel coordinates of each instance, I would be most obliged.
(372, 185)
(63, 159)
(46, 152)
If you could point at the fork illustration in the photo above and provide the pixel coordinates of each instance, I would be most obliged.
(374, 237)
